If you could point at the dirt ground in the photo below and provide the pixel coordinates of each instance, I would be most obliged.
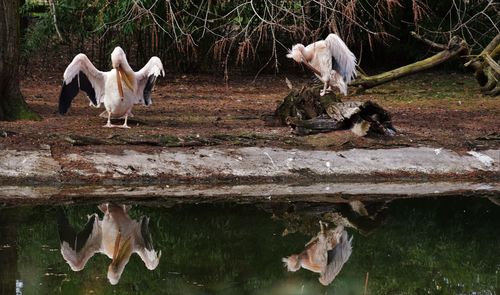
(438, 109)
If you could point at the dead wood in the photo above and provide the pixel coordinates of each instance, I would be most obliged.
(456, 47)
(308, 113)
(432, 44)
(486, 69)
(485, 65)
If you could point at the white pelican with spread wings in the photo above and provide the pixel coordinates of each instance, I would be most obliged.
(326, 254)
(106, 87)
(116, 235)
(330, 59)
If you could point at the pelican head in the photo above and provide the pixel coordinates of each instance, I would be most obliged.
(123, 70)
(292, 263)
(118, 57)
(296, 53)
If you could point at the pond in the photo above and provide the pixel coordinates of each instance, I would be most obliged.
(445, 245)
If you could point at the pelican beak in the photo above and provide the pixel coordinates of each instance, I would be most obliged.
(119, 82)
(122, 75)
(121, 252)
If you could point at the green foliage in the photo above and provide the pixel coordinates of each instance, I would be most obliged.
(37, 36)
(213, 35)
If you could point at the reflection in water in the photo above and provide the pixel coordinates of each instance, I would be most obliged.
(439, 245)
(495, 200)
(302, 217)
(325, 254)
(115, 235)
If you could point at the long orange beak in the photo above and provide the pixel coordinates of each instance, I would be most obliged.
(122, 75)
(119, 81)
(120, 253)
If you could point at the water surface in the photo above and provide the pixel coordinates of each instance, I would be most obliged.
(408, 246)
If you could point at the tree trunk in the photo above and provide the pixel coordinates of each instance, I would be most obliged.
(456, 47)
(12, 104)
(8, 255)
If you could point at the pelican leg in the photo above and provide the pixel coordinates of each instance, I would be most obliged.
(126, 118)
(108, 124)
(321, 226)
(125, 123)
(323, 92)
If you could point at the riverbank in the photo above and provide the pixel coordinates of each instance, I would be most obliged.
(245, 165)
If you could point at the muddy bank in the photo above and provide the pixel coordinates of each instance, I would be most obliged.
(249, 164)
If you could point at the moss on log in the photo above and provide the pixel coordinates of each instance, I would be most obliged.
(308, 113)
(455, 48)
(304, 104)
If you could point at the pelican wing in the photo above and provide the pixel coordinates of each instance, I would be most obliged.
(81, 74)
(146, 79)
(77, 248)
(345, 61)
(337, 257)
(144, 245)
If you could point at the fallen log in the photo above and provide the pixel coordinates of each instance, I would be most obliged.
(456, 47)
(486, 69)
(308, 113)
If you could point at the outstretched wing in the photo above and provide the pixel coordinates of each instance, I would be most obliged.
(81, 74)
(144, 245)
(77, 248)
(337, 257)
(345, 61)
(146, 79)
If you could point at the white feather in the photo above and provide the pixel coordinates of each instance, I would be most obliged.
(81, 63)
(105, 83)
(320, 55)
(345, 59)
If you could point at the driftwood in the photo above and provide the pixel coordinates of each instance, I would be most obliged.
(485, 65)
(308, 113)
(456, 47)
(486, 69)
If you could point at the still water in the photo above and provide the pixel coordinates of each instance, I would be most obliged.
(408, 246)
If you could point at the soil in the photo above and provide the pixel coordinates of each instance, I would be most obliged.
(438, 109)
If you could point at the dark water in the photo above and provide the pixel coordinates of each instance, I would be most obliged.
(412, 246)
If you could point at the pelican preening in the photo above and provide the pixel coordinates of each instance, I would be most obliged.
(318, 56)
(116, 235)
(325, 254)
(107, 88)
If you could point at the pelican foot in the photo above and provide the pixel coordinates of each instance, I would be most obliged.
(109, 125)
(124, 126)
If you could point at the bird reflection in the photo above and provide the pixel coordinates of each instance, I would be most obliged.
(115, 235)
(325, 254)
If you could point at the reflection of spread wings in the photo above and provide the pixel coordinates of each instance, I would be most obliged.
(336, 259)
(144, 245)
(77, 248)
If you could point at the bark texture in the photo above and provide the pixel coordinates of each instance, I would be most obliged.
(308, 113)
(456, 47)
(485, 65)
(486, 69)
(12, 104)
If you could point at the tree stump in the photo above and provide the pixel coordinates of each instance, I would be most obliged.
(308, 113)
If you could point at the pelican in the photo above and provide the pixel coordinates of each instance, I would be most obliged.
(107, 88)
(330, 59)
(116, 235)
(325, 254)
